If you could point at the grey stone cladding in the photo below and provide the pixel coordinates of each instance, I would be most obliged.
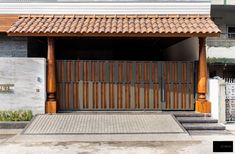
(13, 46)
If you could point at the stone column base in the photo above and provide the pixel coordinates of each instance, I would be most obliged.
(51, 107)
(203, 106)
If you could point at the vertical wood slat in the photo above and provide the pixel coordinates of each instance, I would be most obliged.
(187, 85)
(144, 85)
(159, 77)
(119, 88)
(168, 100)
(84, 85)
(111, 84)
(174, 84)
(121, 85)
(72, 86)
(171, 87)
(182, 89)
(191, 92)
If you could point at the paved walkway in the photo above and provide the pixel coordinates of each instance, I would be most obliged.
(125, 123)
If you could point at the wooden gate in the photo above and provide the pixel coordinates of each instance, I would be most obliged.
(125, 85)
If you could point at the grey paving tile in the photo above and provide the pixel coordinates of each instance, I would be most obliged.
(103, 124)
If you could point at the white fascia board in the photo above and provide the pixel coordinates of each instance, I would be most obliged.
(105, 8)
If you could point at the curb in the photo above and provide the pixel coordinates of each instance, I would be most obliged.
(10, 131)
(13, 124)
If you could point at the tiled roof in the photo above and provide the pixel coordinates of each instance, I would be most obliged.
(114, 25)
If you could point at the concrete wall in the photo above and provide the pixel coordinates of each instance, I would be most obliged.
(29, 78)
(216, 95)
(186, 50)
(222, 15)
(221, 52)
(13, 46)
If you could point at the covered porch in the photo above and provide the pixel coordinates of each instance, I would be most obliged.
(105, 78)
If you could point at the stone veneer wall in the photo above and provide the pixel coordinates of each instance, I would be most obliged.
(29, 78)
(13, 46)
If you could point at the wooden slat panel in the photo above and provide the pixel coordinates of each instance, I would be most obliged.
(168, 100)
(176, 86)
(84, 85)
(90, 95)
(155, 90)
(124, 85)
(112, 85)
(75, 92)
(67, 97)
(148, 85)
(191, 86)
(159, 77)
(171, 87)
(80, 94)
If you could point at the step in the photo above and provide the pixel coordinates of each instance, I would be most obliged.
(209, 132)
(203, 126)
(191, 114)
(196, 120)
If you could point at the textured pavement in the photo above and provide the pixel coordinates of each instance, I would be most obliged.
(103, 124)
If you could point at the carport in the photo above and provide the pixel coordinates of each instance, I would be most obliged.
(76, 84)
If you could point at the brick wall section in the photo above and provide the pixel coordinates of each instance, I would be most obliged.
(13, 46)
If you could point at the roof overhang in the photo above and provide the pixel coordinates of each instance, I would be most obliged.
(114, 26)
(6, 21)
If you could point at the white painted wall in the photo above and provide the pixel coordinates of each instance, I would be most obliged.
(216, 96)
(28, 75)
(221, 52)
(186, 50)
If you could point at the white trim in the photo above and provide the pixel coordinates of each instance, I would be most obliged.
(105, 8)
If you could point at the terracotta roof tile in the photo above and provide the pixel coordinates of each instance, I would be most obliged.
(125, 24)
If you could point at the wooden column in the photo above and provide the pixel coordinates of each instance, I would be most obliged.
(202, 104)
(51, 78)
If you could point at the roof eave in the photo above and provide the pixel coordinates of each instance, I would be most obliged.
(116, 34)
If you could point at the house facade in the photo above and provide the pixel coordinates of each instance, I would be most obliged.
(105, 56)
(221, 50)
